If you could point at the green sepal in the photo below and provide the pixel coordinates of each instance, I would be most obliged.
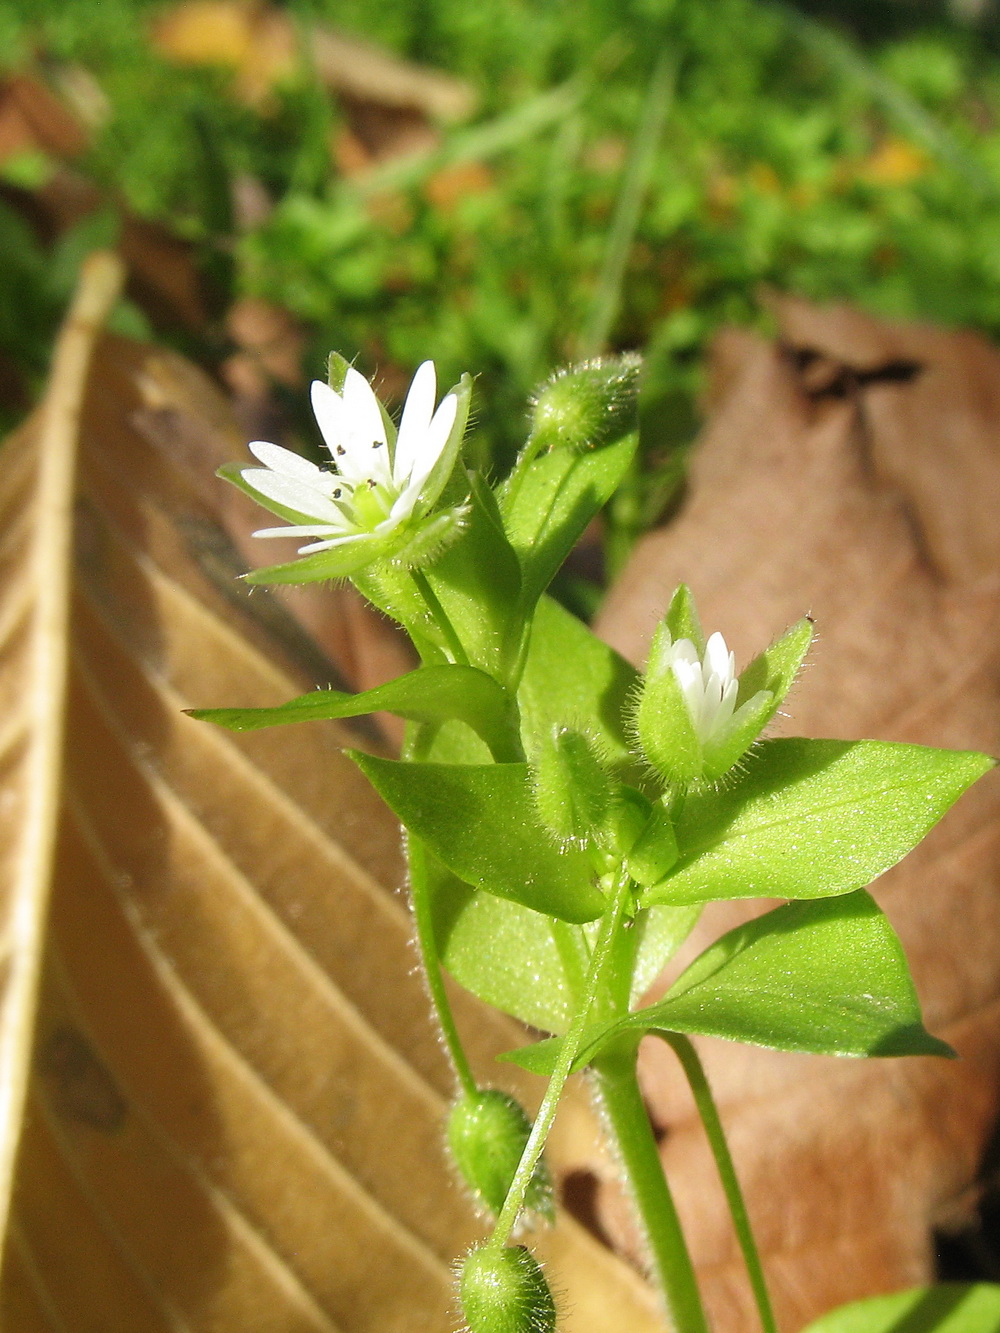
(950, 1307)
(433, 694)
(480, 820)
(663, 722)
(722, 752)
(776, 667)
(682, 619)
(812, 818)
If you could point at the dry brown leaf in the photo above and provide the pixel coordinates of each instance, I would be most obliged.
(853, 471)
(235, 1108)
(32, 119)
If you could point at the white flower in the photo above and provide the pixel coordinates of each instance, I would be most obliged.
(374, 483)
(709, 683)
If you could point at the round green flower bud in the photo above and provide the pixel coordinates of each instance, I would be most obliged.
(487, 1131)
(588, 405)
(504, 1291)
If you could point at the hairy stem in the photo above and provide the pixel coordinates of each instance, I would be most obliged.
(626, 1112)
(610, 924)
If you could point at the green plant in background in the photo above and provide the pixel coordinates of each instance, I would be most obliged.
(637, 172)
(568, 818)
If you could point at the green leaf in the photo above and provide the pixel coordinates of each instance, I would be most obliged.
(810, 818)
(664, 930)
(521, 962)
(552, 503)
(477, 581)
(570, 676)
(828, 976)
(480, 821)
(952, 1307)
(433, 694)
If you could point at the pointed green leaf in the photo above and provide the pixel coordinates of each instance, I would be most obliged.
(828, 976)
(520, 961)
(477, 580)
(808, 819)
(952, 1307)
(432, 694)
(480, 821)
(553, 502)
(570, 676)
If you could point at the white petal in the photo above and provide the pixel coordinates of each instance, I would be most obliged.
(725, 710)
(363, 417)
(685, 651)
(328, 409)
(301, 530)
(285, 462)
(718, 658)
(690, 680)
(335, 541)
(434, 441)
(416, 418)
(292, 494)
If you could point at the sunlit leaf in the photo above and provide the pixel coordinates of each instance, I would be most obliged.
(810, 818)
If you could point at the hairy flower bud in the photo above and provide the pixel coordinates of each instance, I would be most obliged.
(588, 405)
(573, 790)
(504, 1291)
(487, 1131)
(696, 718)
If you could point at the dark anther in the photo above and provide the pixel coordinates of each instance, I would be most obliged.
(372, 482)
(337, 493)
(341, 451)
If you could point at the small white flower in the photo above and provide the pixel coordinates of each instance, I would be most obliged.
(373, 484)
(709, 684)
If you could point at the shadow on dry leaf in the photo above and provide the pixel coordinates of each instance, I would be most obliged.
(851, 470)
(233, 1116)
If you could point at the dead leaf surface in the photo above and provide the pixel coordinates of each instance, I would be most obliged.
(851, 470)
(235, 1105)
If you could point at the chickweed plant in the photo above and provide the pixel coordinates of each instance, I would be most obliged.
(567, 817)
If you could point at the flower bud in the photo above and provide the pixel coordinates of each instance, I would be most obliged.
(504, 1291)
(573, 790)
(695, 717)
(586, 406)
(487, 1131)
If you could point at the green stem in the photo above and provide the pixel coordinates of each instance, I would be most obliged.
(439, 617)
(640, 1157)
(420, 898)
(621, 896)
(708, 1111)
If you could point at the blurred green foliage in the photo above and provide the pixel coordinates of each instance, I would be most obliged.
(636, 172)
